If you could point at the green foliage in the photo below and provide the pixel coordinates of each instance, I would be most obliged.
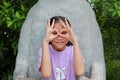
(11, 17)
(7, 76)
(108, 7)
(112, 53)
(108, 16)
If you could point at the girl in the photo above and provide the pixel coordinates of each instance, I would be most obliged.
(60, 57)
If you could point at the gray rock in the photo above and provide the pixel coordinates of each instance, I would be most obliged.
(86, 29)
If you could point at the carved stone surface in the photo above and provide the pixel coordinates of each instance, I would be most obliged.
(86, 29)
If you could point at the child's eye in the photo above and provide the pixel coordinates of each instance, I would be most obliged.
(54, 33)
(64, 32)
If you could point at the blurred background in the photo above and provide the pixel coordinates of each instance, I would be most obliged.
(14, 12)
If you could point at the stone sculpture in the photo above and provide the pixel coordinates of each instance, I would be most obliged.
(87, 31)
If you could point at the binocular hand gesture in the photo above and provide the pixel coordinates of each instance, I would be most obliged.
(51, 33)
(67, 32)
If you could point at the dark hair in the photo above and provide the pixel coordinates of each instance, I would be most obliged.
(57, 19)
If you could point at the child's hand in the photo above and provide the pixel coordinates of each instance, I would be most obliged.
(67, 32)
(51, 33)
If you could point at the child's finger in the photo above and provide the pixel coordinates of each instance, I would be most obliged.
(65, 36)
(54, 31)
(64, 31)
(67, 23)
(53, 23)
(57, 31)
(63, 24)
(49, 23)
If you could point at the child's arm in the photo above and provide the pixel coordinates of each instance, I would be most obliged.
(45, 63)
(78, 59)
(46, 68)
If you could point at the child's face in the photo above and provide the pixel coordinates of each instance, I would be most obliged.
(60, 42)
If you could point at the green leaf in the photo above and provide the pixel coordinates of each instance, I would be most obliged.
(9, 23)
(6, 4)
(8, 18)
(111, 9)
(22, 8)
(17, 14)
(118, 12)
(22, 17)
(114, 13)
(116, 6)
(2, 7)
